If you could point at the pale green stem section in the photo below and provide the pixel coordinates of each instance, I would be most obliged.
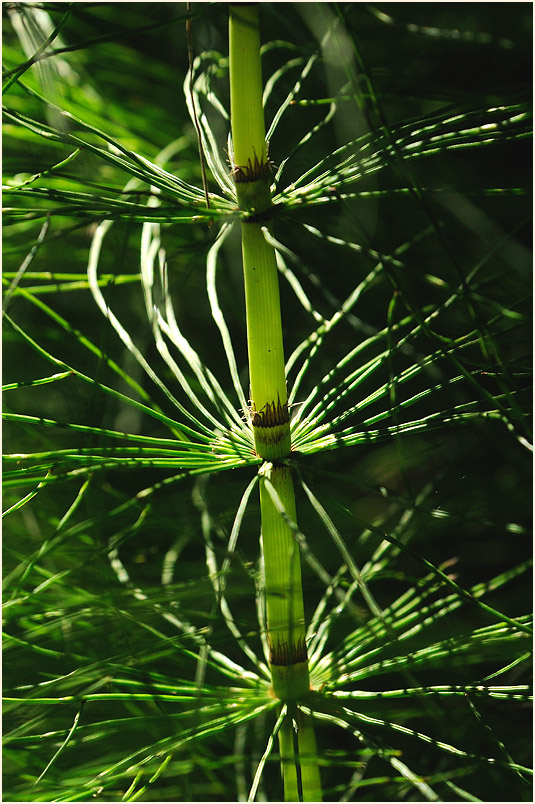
(264, 327)
(299, 760)
(284, 593)
(265, 344)
(246, 112)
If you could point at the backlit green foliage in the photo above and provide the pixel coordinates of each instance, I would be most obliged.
(135, 655)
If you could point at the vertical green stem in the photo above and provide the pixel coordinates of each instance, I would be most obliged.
(299, 758)
(252, 175)
(269, 408)
(269, 401)
(284, 592)
(246, 110)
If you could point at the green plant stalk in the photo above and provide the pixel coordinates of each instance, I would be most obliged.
(246, 110)
(269, 401)
(269, 405)
(269, 408)
(299, 758)
(252, 174)
(284, 591)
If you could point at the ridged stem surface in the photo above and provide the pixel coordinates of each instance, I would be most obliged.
(269, 407)
(266, 351)
(299, 758)
(246, 110)
(284, 591)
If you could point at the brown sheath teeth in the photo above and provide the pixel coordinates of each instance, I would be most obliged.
(252, 171)
(272, 414)
(283, 655)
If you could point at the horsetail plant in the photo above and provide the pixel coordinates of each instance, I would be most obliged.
(286, 632)
(380, 636)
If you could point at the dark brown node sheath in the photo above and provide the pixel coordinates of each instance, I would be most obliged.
(273, 414)
(284, 655)
(271, 427)
(254, 170)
